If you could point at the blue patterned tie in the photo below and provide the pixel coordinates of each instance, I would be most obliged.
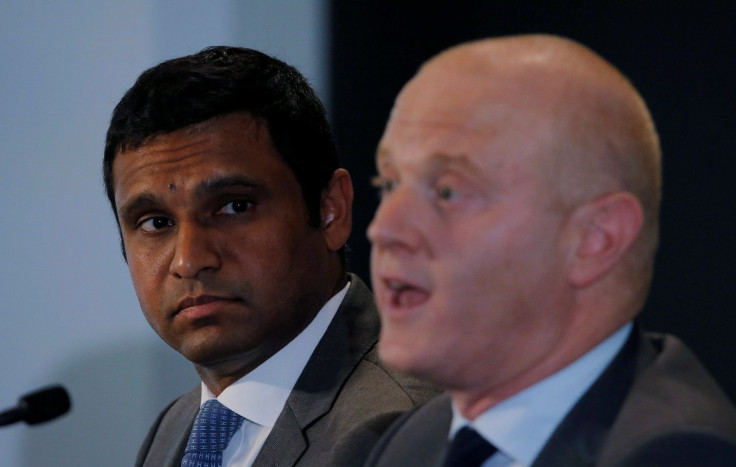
(214, 426)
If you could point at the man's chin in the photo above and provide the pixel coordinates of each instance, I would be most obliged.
(398, 355)
(216, 355)
(210, 354)
(207, 357)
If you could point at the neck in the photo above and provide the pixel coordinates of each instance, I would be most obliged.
(476, 398)
(217, 377)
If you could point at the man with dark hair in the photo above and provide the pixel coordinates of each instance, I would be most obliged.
(233, 213)
(531, 169)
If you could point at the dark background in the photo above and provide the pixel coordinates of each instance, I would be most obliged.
(681, 56)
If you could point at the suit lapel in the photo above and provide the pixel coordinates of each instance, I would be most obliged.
(350, 335)
(578, 440)
(173, 433)
(286, 442)
(182, 444)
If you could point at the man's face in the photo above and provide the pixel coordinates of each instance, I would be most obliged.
(226, 267)
(468, 250)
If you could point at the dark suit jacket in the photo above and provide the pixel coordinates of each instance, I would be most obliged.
(654, 405)
(341, 404)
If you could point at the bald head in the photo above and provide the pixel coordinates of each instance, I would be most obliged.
(597, 131)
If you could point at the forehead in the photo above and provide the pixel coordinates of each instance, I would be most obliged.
(236, 144)
(479, 120)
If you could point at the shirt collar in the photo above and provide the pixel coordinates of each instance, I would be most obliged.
(260, 395)
(520, 426)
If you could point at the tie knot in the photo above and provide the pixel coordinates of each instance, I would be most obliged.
(214, 426)
(468, 449)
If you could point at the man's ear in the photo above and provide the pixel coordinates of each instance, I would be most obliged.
(607, 227)
(337, 209)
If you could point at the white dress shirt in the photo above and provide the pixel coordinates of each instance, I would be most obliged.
(260, 395)
(520, 426)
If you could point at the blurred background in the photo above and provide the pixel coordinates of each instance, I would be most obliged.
(68, 312)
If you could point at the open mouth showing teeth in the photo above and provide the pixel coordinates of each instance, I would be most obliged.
(405, 295)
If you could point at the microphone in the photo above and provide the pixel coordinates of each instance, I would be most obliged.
(38, 406)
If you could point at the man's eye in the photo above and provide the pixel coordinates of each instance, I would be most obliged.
(155, 223)
(235, 207)
(384, 186)
(445, 192)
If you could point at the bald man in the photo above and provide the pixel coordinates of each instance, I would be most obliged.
(512, 250)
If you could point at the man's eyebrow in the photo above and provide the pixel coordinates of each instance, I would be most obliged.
(214, 185)
(435, 162)
(441, 160)
(142, 201)
(382, 154)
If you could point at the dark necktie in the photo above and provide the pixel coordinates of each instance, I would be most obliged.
(468, 449)
(214, 426)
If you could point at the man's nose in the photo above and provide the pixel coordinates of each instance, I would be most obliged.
(195, 251)
(395, 221)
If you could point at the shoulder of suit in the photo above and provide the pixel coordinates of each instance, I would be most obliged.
(417, 390)
(681, 448)
(673, 401)
(684, 387)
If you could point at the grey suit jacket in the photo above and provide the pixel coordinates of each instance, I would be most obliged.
(341, 404)
(654, 405)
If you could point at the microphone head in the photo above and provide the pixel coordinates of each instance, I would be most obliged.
(45, 404)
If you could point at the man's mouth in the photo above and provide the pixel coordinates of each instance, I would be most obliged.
(202, 305)
(404, 294)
